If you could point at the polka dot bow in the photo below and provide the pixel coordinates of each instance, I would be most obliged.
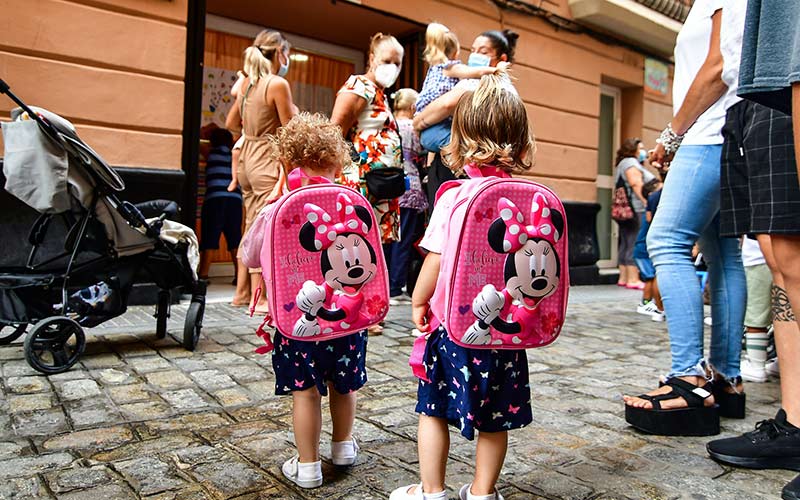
(517, 233)
(325, 230)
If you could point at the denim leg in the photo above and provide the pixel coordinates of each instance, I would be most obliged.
(728, 299)
(688, 205)
(400, 251)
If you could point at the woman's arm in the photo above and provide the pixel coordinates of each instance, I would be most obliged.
(438, 110)
(280, 94)
(233, 121)
(706, 88)
(423, 291)
(635, 181)
(796, 123)
(346, 110)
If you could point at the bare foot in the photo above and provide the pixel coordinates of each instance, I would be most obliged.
(669, 404)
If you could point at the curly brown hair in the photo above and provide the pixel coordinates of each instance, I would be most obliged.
(490, 127)
(310, 141)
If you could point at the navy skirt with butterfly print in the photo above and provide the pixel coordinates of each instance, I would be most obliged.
(481, 389)
(300, 365)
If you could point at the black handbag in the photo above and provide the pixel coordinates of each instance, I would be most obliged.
(386, 183)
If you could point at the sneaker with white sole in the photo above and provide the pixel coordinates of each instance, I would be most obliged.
(647, 308)
(344, 452)
(303, 475)
(399, 300)
(772, 368)
(752, 372)
(658, 316)
(403, 494)
(465, 494)
(707, 321)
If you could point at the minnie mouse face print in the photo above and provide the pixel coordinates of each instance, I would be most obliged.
(348, 262)
(531, 273)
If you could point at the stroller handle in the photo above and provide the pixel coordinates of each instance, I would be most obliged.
(4, 88)
(44, 124)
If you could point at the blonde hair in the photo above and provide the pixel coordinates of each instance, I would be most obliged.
(405, 99)
(441, 44)
(310, 141)
(379, 40)
(259, 56)
(490, 127)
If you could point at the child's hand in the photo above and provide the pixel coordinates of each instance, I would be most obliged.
(502, 66)
(419, 314)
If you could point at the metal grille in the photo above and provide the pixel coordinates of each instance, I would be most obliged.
(675, 9)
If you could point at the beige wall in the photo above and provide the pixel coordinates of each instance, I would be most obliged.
(559, 76)
(113, 68)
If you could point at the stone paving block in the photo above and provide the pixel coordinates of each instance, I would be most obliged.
(233, 397)
(235, 432)
(94, 439)
(92, 413)
(149, 475)
(133, 350)
(197, 455)
(18, 368)
(79, 478)
(25, 466)
(275, 408)
(30, 402)
(249, 372)
(224, 358)
(114, 491)
(231, 478)
(40, 423)
(191, 422)
(78, 389)
(170, 379)
(175, 352)
(10, 449)
(129, 393)
(212, 380)
(23, 489)
(147, 364)
(27, 385)
(113, 376)
(163, 444)
(101, 360)
(185, 399)
(191, 364)
(145, 411)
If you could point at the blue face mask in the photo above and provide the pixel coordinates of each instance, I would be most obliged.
(479, 60)
(642, 156)
(284, 67)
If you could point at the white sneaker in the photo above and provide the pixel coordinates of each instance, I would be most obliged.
(647, 308)
(707, 321)
(303, 475)
(752, 372)
(403, 494)
(772, 368)
(658, 315)
(344, 452)
(464, 494)
(399, 300)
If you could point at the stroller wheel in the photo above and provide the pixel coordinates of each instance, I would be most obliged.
(54, 345)
(193, 325)
(10, 333)
(162, 313)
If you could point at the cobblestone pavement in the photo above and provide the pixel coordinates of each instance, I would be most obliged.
(142, 418)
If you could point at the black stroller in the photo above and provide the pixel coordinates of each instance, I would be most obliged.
(108, 245)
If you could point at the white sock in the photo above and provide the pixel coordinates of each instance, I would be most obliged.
(442, 495)
(470, 496)
(756, 347)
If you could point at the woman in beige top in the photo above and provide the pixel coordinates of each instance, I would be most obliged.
(263, 105)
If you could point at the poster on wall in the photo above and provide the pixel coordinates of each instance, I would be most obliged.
(217, 100)
(656, 77)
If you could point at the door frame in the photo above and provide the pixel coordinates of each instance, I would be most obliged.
(607, 181)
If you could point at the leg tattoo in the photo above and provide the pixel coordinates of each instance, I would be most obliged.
(781, 308)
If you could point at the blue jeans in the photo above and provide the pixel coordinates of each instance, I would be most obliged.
(689, 213)
(436, 136)
(398, 253)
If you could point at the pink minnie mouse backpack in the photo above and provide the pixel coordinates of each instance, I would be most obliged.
(504, 277)
(322, 262)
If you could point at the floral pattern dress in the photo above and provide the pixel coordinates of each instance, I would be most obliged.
(376, 139)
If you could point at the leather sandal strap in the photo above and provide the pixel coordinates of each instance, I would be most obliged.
(695, 396)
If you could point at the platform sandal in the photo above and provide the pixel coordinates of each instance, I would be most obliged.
(731, 404)
(696, 419)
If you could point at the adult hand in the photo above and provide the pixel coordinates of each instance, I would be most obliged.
(232, 186)
(659, 158)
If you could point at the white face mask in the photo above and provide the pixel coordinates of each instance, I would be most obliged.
(386, 74)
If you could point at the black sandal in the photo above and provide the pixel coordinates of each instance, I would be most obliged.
(694, 420)
(731, 404)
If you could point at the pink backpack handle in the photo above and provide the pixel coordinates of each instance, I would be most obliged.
(296, 177)
(476, 172)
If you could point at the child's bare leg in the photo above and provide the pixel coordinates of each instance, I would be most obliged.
(343, 414)
(433, 444)
(307, 423)
(657, 295)
(489, 457)
(242, 295)
(647, 293)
